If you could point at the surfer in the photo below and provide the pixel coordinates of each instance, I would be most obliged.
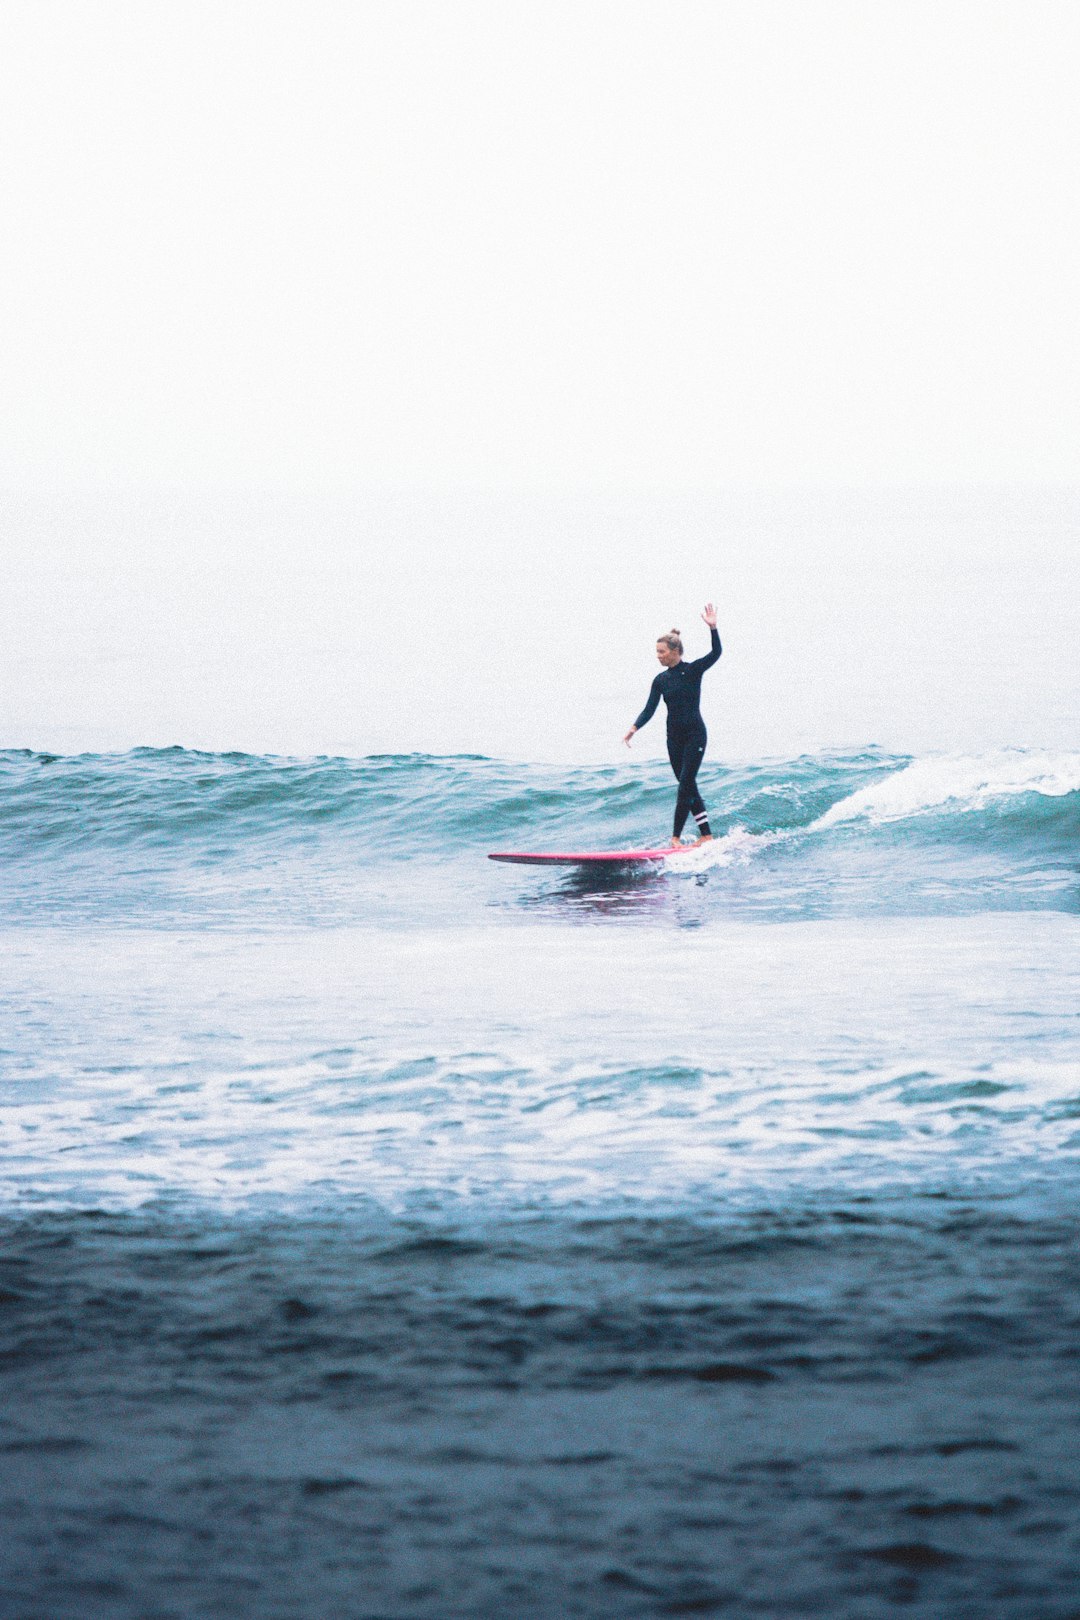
(679, 684)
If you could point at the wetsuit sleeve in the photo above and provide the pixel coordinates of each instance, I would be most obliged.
(650, 708)
(710, 657)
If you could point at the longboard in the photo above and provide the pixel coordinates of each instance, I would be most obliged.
(600, 857)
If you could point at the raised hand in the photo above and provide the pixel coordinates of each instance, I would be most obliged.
(709, 615)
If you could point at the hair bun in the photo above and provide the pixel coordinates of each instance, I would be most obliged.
(676, 632)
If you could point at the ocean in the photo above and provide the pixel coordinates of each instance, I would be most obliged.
(388, 1234)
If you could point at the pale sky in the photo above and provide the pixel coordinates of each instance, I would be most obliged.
(525, 628)
(388, 376)
(497, 242)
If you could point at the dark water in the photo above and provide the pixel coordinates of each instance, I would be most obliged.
(829, 1410)
(390, 1234)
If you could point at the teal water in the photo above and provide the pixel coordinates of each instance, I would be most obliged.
(391, 1233)
(164, 836)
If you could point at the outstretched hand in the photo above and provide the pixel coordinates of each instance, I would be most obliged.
(709, 615)
(629, 735)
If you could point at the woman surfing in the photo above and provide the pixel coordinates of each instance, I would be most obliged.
(679, 684)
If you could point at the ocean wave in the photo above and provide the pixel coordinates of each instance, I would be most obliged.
(960, 785)
(177, 807)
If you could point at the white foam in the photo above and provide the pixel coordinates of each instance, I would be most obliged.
(958, 782)
(416, 1068)
(738, 844)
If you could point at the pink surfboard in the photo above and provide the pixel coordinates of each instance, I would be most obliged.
(600, 857)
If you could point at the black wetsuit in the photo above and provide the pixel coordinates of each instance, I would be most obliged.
(680, 688)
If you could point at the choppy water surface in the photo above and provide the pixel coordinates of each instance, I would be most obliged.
(389, 1233)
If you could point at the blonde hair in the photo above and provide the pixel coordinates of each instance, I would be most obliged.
(672, 640)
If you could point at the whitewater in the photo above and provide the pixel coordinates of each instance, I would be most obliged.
(390, 1233)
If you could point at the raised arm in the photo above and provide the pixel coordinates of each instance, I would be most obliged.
(647, 712)
(715, 650)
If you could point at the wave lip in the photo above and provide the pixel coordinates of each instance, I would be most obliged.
(957, 784)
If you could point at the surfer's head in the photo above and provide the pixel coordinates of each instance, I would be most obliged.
(669, 649)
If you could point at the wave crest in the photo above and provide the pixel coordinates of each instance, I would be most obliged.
(958, 785)
(178, 805)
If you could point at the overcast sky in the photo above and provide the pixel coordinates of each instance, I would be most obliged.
(428, 359)
(516, 243)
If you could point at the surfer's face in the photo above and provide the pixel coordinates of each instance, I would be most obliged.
(667, 655)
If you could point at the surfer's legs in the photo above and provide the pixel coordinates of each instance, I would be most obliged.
(686, 754)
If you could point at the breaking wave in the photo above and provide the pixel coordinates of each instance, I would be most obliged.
(239, 818)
